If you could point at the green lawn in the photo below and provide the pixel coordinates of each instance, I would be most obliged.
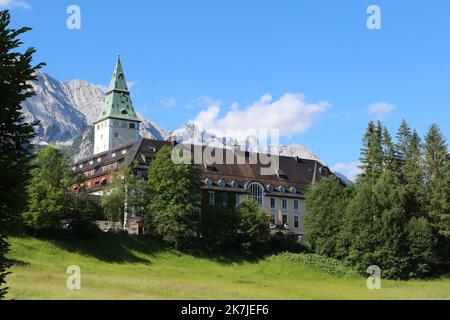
(121, 267)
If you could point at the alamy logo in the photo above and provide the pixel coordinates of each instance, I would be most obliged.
(374, 20)
(74, 280)
(210, 153)
(73, 22)
(374, 281)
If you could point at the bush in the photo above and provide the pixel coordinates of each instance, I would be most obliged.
(319, 263)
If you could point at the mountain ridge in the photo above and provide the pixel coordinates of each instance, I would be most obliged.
(67, 110)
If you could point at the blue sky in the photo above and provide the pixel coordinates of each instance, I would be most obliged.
(218, 62)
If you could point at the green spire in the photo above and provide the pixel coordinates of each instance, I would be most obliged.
(118, 81)
(118, 103)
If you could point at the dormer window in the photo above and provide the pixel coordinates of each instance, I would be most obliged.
(222, 183)
(99, 160)
(209, 182)
(124, 151)
(270, 188)
(283, 189)
(235, 184)
(294, 190)
(91, 162)
(113, 155)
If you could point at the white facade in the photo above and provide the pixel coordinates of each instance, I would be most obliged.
(112, 133)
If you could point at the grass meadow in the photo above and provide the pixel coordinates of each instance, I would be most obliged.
(122, 267)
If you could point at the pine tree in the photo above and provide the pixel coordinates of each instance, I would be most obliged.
(372, 151)
(403, 142)
(412, 174)
(15, 134)
(391, 159)
(437, 177)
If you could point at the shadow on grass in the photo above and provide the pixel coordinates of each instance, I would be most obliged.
(124, 248)
(109, 247)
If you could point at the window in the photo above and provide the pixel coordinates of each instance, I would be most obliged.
(256, 192)
(98, 127)
(212, 200)
(238, 200)
(124, 151)
(284, 204)
(272, 219)
(123, 124)
(296, 222)
(89, 173)
(116, 123)
(116, 135)
(148, 161)
(272, 203)
(99, 160)
(285, 219)
(91, 162)
(132, 126)
(225, 199)
(113, 155)
(80, 166)
(296, 205)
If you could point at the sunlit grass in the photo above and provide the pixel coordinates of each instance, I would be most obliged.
(120, 267)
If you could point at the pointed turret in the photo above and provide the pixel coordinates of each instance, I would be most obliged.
(118, 103)
(118, 81)
(118, 123)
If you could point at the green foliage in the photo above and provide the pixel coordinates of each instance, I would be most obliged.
(319, 263)
(218, 225)
(372, 157)
(174, 198)
(4, 264)
(252, 224)
(437, 177)
(48, 191)
(422, 247)
(16, 150)
(398, 216)
(325, 203)
(51, 204)
(125, 194)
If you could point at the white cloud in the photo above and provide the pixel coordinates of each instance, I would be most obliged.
(14, 3)
(381, 110)
(290, 114)
(169, 102)
(350, 170)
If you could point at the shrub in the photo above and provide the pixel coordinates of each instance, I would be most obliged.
(319, 263)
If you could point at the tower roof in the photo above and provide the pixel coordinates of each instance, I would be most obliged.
(118, 103)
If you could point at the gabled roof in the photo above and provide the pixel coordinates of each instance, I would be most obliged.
(118, 103)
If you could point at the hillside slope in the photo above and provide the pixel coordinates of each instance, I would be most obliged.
(121, 267)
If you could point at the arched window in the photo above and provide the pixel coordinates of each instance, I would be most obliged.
(256, 192)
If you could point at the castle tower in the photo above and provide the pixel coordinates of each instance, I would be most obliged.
(117, 123)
